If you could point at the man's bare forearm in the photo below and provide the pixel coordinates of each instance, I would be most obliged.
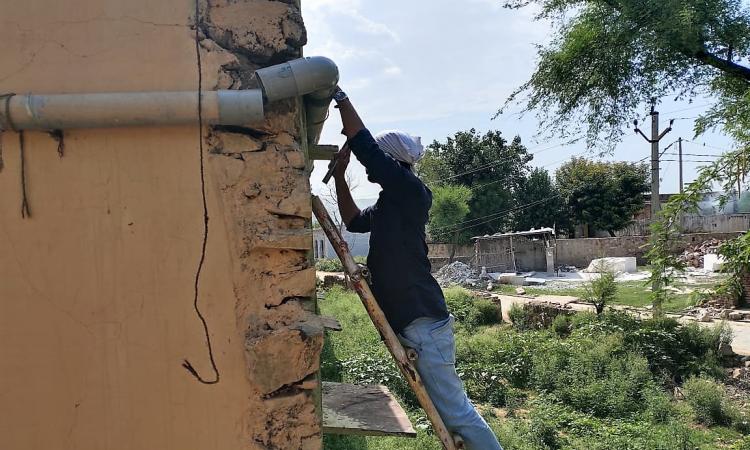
(347, 208)
(350, 119)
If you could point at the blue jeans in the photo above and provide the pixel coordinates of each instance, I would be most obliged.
(434, 342)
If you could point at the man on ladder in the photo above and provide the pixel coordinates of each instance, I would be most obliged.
(410, 297)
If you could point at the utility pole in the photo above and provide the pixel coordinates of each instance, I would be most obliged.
(654, 141)
(679, 146)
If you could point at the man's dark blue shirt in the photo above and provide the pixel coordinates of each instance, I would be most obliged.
(401, 279)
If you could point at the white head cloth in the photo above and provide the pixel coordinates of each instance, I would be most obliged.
(401, 146)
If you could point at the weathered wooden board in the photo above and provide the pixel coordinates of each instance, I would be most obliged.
(364, 410)
(323, 152)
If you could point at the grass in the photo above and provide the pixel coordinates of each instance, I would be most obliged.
(593, 387)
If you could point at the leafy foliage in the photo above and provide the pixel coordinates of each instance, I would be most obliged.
(608, 57)
(471, 311)
(539, 189)
(727, 172)
(602, 195)
(491, 166)
(712, 405)
(596, 386)
(601, 290)
(450, 205)
(329, 265)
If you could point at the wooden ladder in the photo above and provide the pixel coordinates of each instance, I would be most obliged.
(404, 358)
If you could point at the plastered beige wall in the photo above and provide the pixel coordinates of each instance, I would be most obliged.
(96, 288)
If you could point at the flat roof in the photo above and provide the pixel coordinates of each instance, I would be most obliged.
(531, 232)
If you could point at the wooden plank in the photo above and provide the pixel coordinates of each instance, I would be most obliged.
(323, 152)
(330, 323)
(368, 410)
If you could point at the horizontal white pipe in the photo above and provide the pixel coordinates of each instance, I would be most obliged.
(62, 111)
(313, 78)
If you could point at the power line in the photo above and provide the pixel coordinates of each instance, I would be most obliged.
(687, 109)
(703, 144)
(494, 216)
(502, 160)
(694, 154)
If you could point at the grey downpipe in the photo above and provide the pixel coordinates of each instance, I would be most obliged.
(312, 78)
(124, 109)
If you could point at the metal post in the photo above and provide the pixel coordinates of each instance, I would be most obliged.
(655, 200)
(679, 142)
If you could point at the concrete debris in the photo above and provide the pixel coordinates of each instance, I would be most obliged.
(456, 273)
(617, 265)
(509, 278)
(707, 314)
(713, 262)
(531, 281)
(520, 291)
(693, 256)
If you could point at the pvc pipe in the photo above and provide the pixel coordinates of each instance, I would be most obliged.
(313, 78)
(61, 111)
(298, 77)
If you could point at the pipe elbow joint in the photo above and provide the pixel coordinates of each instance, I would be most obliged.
(298, 77)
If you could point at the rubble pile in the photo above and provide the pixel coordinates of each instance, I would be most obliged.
(693, 256)
(456, 273)
(709, 313)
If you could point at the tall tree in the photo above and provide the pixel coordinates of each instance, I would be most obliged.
(603, 195)
(450, 205)
(547, 206)
(608, 57)
(490, 166)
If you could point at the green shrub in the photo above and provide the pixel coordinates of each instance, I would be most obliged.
(517, 315)
(674, 350)
(659, 407)
(485, 312)
(601, 290)
(484, 384)
(507, 352)
(561, 325)
(596, 376)
(708, 401)
(677, 350)
(329, 265)
(471, 311)
(743, 444)
(459, 302)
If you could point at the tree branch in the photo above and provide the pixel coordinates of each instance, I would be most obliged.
(721, 64)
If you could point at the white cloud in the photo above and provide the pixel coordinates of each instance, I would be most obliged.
(392, 71)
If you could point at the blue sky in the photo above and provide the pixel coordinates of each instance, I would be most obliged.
(432, 68)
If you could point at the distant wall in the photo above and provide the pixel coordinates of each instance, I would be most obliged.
(718, 223)
(580, 252)
(359, 244)
(496, 255)
(439, 254)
